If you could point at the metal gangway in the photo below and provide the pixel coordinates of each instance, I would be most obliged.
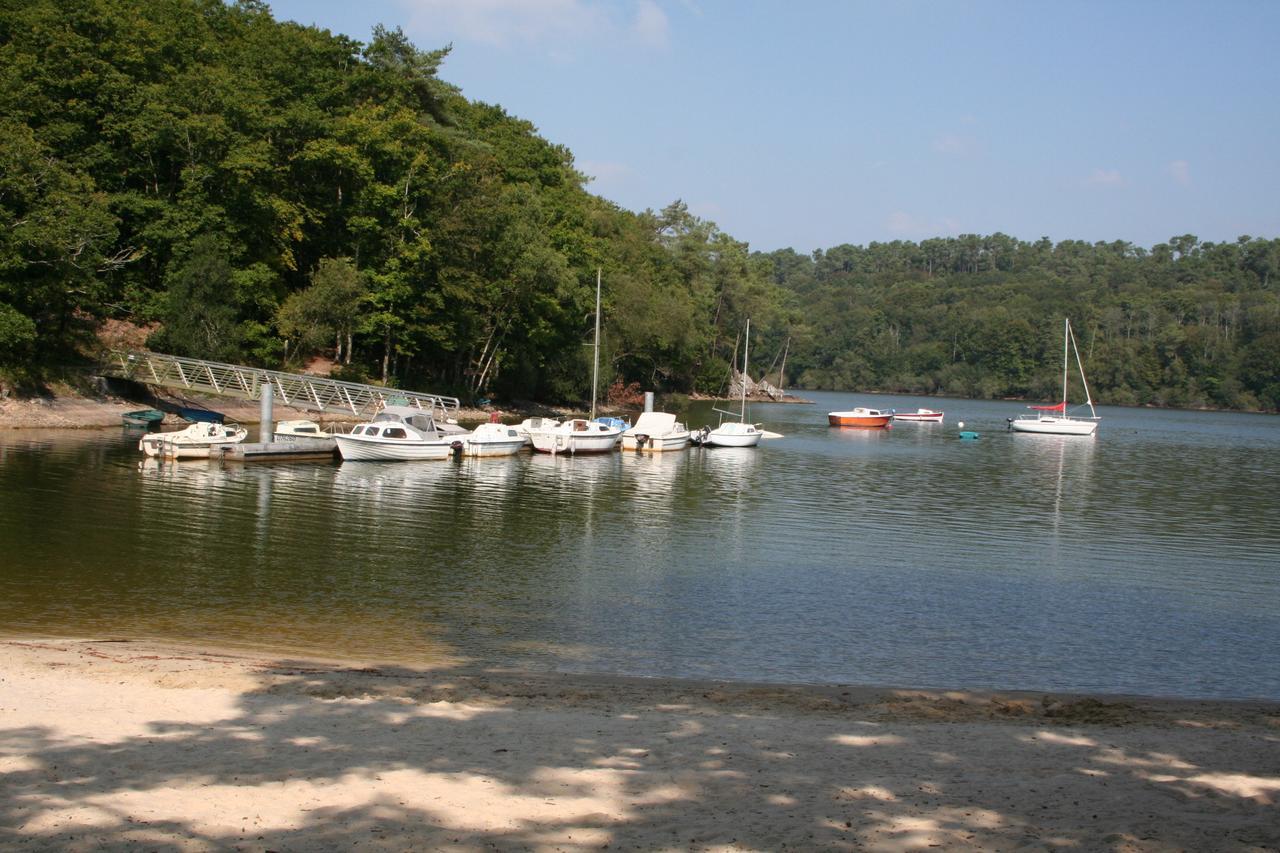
(297, 390)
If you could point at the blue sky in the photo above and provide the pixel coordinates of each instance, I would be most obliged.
(812, 123)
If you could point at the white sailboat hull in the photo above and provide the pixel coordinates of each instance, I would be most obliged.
(371, 449)
(198, 441)
(566, 442)
(733, 435)
(492, 446)
(1054, 426)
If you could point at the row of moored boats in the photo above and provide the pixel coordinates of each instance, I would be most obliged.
(406, 433)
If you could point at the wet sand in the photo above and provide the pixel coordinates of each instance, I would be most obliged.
(130, 745)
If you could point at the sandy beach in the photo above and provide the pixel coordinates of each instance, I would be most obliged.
(128, 745)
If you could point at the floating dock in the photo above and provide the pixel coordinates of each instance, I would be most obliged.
(281, 451)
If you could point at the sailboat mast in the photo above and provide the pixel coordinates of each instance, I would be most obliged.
(782, 371)
(1066, 335)
(745, 345)
(595, 366)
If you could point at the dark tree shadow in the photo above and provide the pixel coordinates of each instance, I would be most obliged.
(466, 760)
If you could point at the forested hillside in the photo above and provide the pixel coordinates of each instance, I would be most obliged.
(260, 192)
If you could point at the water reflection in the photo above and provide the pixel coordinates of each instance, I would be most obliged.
(1143, 560)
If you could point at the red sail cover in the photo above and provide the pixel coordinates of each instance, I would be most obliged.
(1060, 407)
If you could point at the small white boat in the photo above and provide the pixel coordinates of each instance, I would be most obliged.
(576, 436)
(1054, 420)
(288, 430)
(492, 439)
(926, 416)
(397, 434)
(731, 434)
(195, 442)
(656, 431)
(528, 425)
(737, 433)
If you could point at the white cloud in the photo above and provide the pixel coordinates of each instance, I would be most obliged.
(903, 225)
(506, 23)
(650, 24)
(1106, 178)
(1181, 172)
(604, 173)
(955, 143)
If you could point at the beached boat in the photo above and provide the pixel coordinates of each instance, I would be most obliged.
(860, 417)
(924, 416)
(397, 434)
(142, 417)
(200, 416)
(1055, 420)
(492, 439)
(656, 431)
(197, 441)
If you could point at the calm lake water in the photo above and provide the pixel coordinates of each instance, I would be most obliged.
(1145, 560)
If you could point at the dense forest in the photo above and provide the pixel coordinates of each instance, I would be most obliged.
(260, 192)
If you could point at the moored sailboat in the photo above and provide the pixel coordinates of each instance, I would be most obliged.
(578, 435)
(1054, 419)
(737, 433)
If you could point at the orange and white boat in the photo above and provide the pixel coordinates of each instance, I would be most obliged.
(924, 416)
(860, 417)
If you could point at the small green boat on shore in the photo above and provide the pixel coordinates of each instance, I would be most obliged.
(142, 417)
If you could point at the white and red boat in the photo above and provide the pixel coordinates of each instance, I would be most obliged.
(860, 417)
(927, 416)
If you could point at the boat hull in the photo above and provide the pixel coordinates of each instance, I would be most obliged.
(142, 418)
(656, 443)
(923, 416)
(560, 442)
(370, 449)
(1053, 426)
(199, 441)
(859, 419)
(732, 440)
(492, 447)
(174, 450)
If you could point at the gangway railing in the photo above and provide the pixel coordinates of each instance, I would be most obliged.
(297, 390)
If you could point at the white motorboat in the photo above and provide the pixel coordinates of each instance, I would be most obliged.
(656, 431)
(492, 439)
(1055, 420)
(576, 436)
(528, 425)
(197, 441)
(397, 433)
(922, 416)
(303, 433)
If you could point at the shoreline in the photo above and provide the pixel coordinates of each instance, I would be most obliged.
(122, 744)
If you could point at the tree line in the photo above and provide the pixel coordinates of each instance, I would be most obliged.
(260, 192)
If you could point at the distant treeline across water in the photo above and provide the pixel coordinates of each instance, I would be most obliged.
(197, 177)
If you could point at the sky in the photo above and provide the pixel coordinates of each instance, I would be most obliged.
(812, 123)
